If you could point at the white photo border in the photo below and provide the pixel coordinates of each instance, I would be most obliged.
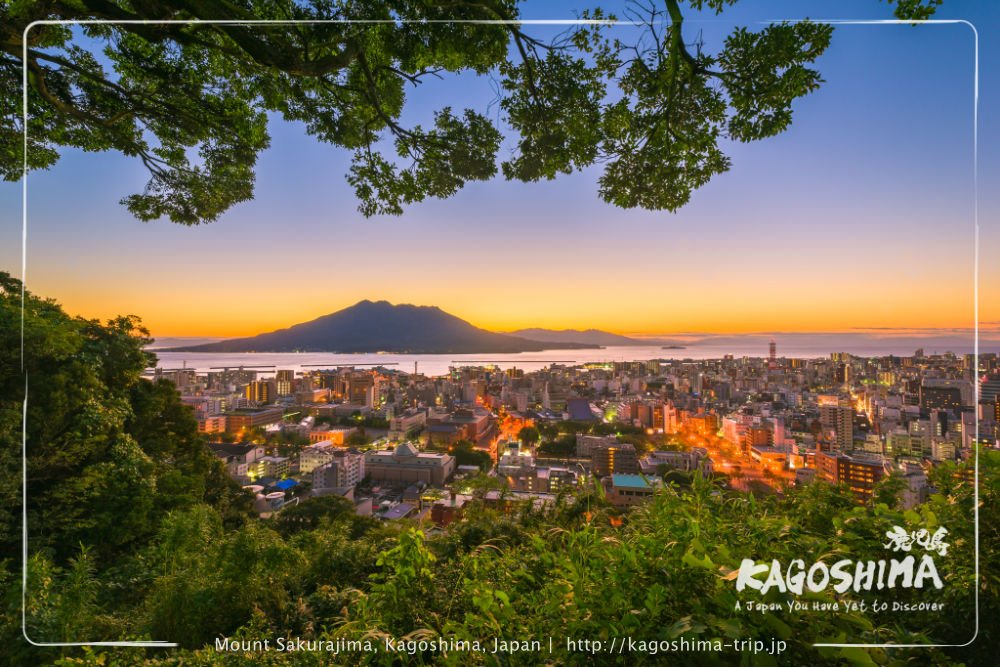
(24, 262)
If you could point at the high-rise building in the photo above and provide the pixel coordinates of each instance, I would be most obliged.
(612, 458)
(261, 391)
(757, 435)
(989, 389)
(969, 365)
(363, 389)
(284, 382)
(904, 443)
(940, 398)
(841, 419)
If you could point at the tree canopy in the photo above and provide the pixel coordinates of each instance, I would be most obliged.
(108, 452)
(191, 101)
(529, 435)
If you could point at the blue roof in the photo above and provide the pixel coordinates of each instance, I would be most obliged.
(629, 481)
(579, 409)
(286, 484)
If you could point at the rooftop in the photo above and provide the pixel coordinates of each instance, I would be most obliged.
(620, 480)
(230, 449)
(397, 512)
(579, 409)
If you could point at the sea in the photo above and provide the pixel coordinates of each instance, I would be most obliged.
(801, 346)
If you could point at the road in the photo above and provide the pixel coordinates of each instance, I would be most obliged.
(742, 470)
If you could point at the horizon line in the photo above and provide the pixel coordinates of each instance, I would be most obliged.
(882, 332)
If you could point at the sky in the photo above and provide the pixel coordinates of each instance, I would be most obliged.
(859, 216)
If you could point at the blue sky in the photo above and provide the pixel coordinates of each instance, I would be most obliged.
(859, 215)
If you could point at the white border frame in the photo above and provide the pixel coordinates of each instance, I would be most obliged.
(24, 260)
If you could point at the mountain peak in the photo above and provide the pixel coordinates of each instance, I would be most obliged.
(382, 304)
(379, 326)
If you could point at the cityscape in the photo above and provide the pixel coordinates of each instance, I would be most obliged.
(499, 332)
(402, 445)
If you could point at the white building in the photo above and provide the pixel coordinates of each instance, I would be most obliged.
(689, 461)
(515, 460)
(315, 455)
(345, 469)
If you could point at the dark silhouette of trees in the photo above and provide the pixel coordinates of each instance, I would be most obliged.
(190, 101)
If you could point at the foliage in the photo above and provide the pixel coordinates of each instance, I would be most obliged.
(559, 438)
(480, 484)
(371, 421)
(650, 103)
(357, 439)
(109, 453)
(673, 476)
(529, 435)
(662, 572)
(314, 512)
(562, 447)
(466, 454)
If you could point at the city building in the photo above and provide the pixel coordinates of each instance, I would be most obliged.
(315, 455)
(336, 435)
(687, 461)
(625, 490)
(278, 467)
(284, 383)
(579, 409)
(585, 444)
(262, 391)
(237, 457)
(859, 471)
(345, 469)
(448, 510)
(405, 464)
(516, 459)
(212, 424)
(407, 421)
(840, 419)
(248, 418)
(608, 459)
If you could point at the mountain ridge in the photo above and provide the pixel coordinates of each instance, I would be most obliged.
(379, 326)
(582, 336)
